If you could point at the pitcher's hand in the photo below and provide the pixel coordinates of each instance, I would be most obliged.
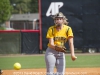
(73, 57)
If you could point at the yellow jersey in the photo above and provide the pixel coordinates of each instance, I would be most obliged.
(60, 37)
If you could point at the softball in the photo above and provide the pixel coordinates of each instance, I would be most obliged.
(17, 66)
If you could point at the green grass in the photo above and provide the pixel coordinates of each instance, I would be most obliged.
(25, 61)
(7, 62)
(84, 61)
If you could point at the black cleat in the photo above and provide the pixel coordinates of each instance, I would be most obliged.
(1, 72)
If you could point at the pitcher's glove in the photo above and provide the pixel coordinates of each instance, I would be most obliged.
(60, 49)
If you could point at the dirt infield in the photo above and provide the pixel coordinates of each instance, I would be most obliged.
(69, 71)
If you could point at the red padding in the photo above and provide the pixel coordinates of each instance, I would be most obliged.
(2, 31)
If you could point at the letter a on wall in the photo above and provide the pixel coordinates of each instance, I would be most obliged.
(54, 8)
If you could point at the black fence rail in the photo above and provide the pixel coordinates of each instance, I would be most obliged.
(18, 42)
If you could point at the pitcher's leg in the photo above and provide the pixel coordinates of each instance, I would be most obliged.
(50, 60)
(60, 64)
(50, 64)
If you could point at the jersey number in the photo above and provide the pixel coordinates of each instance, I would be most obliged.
(54, 8)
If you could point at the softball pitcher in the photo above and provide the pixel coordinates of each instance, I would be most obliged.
(58, 36)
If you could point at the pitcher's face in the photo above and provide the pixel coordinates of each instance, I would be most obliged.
(59, 21)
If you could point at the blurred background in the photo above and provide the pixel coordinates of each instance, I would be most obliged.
(19, 14)
(24, 23)
(19, 27)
